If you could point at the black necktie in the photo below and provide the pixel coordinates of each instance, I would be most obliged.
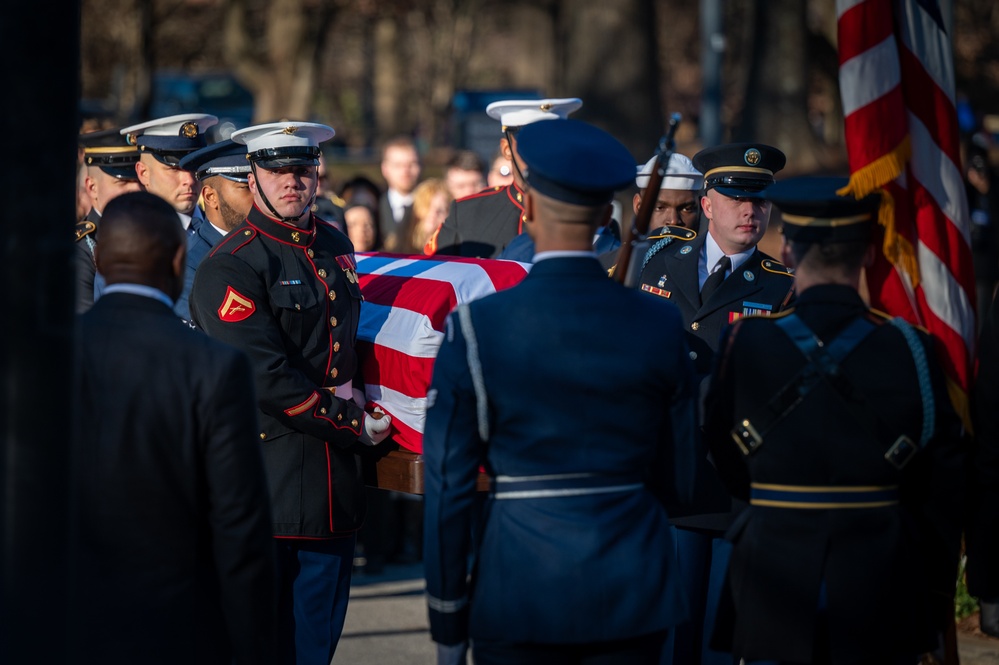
(715, 279)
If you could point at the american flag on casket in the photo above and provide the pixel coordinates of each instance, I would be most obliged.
(406, 301)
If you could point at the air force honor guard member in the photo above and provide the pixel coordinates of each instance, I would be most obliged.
(743, 279)
(483, 224)
(110, 165)
(573, 558)
(223, 172)
(282, 287)
(162, 143)
(834, 423)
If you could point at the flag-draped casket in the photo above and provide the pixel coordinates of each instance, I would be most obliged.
(406, 302)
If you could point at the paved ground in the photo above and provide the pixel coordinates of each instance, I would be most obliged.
(387, 624)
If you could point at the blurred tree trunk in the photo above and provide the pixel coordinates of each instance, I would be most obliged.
(280, 67)
(776, 97)
(608, 55)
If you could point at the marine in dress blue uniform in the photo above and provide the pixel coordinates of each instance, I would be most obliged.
(225, 160)
(833, 422)
(736, 215)
(483, 224)
(283, 288)
(110, 162)
(572, 558)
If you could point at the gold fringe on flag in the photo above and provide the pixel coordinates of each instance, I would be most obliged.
(896, 248)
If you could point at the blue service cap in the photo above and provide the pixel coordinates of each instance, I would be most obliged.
(225, 158)
(739, 170)
(812, 211)
(111, 152)
(574, 162)
(169, 139)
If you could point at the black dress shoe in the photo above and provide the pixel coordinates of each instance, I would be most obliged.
(989, 618)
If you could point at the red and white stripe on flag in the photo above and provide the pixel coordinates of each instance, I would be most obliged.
(897, 85)
(406, 301)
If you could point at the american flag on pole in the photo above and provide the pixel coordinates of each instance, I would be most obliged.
(406, 301)
(897, 84)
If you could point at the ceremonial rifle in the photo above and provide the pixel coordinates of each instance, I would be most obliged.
(649, 197)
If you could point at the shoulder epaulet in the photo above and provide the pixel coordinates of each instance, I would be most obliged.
(485, 192)
(677, 232)
(84, 228)
(776, 267)
(234, 241)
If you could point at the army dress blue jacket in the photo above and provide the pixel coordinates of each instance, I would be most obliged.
(289, 298)
(551, 395)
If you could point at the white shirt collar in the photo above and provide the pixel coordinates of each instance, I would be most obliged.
(561, 254)
(222, 231)
(397, 202)
(714, 253)
(139, 290)
(185, 220)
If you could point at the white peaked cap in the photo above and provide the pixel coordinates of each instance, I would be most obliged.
(520, 112)
(680, 174)
(283, 135)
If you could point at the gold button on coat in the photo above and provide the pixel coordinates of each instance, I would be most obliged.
(695, 325)
(263, 435)
(353, 423)
(322, 273)
(332, 295)
(336, 346)
(310, 253)
(334, 372)
(323, 410)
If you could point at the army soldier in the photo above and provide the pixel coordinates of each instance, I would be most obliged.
(223, 172)
(162, 143)
(715, 278)
(109, 162)
(483, 224)
(834, 423)
(744, 280)
(282, 287)
(574, 559)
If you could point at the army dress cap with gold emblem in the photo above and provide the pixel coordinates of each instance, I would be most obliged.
(812, 211)
(739, 170)
(574, 162)
(225, 158)
(169, 139)
(680, 174)
(276, 145)
(111, 152)
(513, 113)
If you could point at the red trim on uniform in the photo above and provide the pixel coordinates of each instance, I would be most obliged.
(304, 406)
(231, 237)
(520, 206)
(311, 232)
(235, 306)
(485, 192)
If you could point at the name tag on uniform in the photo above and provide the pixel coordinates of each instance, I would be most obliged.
(656, 291)
(751, 309)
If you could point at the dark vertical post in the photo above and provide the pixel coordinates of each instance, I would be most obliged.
(40, 119)
(712, 52)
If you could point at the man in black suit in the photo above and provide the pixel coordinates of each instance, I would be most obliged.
(173, 556)
(401, 169)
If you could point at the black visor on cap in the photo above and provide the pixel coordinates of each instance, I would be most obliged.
(277, 158)
(171, 159)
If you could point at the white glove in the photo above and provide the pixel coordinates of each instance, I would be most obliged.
(452, 654)
(375, 427)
